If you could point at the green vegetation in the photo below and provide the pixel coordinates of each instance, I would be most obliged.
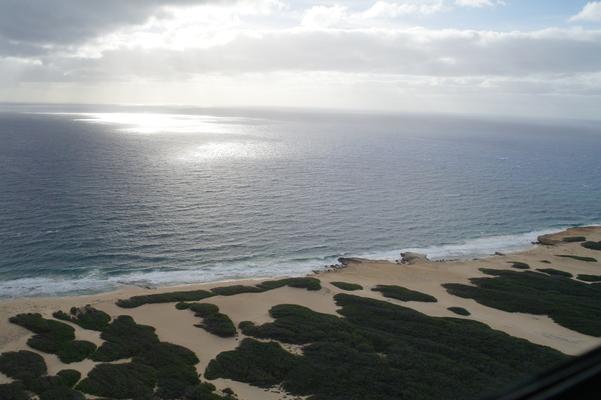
(69, 376)
(579, 258)
(87, 317)
(203, 309)
(299, 283)
(592, 245)
(54, 337)
(574, 239)
(22, 365)
(120, 381)
(260, 364)
(235, 289)
(212, 320)
(170, 297)
(13, 391)
(545, 261)
(75, 350)
(589, 278)
(572, 304)
(197, 295)
(124, 338)
(556, 272)
(459, 311)
(347, 286)
(519, 265)
(62, 393)
(379, 348)
(403, 294)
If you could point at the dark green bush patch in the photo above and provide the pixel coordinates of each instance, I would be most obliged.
(260, 364)
(379, 348)
(54, 337)
(169, 297)
(124, 338)
(62, 393)
(22, 365)
(572, 304)
(545, 261)
(219, 324)
(519, 265)
(41, 384)
(75, 351)
(235, 289)
(403, 294)
(69, 376)
(459, 311)
(579, 258)
(308, 283)
(13, 391)
(163, 353)
(556, 272)
(591, 245)
(120, 381)
(212, 320)
(574, 239)
(347, 286)
(87, 317)
(589, 278)
(203, 309)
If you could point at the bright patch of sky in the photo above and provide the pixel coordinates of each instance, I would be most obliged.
(535, 57)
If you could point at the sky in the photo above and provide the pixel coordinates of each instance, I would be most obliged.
(534, 58)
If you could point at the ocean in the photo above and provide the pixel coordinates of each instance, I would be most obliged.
(94, 197)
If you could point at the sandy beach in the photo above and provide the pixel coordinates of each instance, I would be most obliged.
(423, 276)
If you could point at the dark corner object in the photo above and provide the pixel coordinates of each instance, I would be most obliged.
(577, 379)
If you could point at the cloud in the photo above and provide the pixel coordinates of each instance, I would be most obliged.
(479, 3)
(590, 12)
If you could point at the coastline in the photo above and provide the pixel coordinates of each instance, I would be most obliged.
(422, 276)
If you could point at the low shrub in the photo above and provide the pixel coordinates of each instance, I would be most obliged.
(163, 353)
(555, 272)
(219, 324)
(589, 278)
(169, 297)
(203, 309)
(235, 289)
(347, 286)
(459, 311)
(69, 376)
(75, 351)
(13, 391)
(379, 348)
(54, 337)
(62, 393)
(87, 317)
(519, 265)
(22, 365)
(120, 381)
(579, 258)
(403, 294)
(308, 283)
(545, 261)
(591, 245)
(574, 239)
(124, 338)
(41, 384)
(570, 303)
(258, 363)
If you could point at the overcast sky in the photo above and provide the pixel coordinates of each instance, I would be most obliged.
(505, 57)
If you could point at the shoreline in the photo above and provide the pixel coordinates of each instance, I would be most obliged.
(424, 276)
(479, 248)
